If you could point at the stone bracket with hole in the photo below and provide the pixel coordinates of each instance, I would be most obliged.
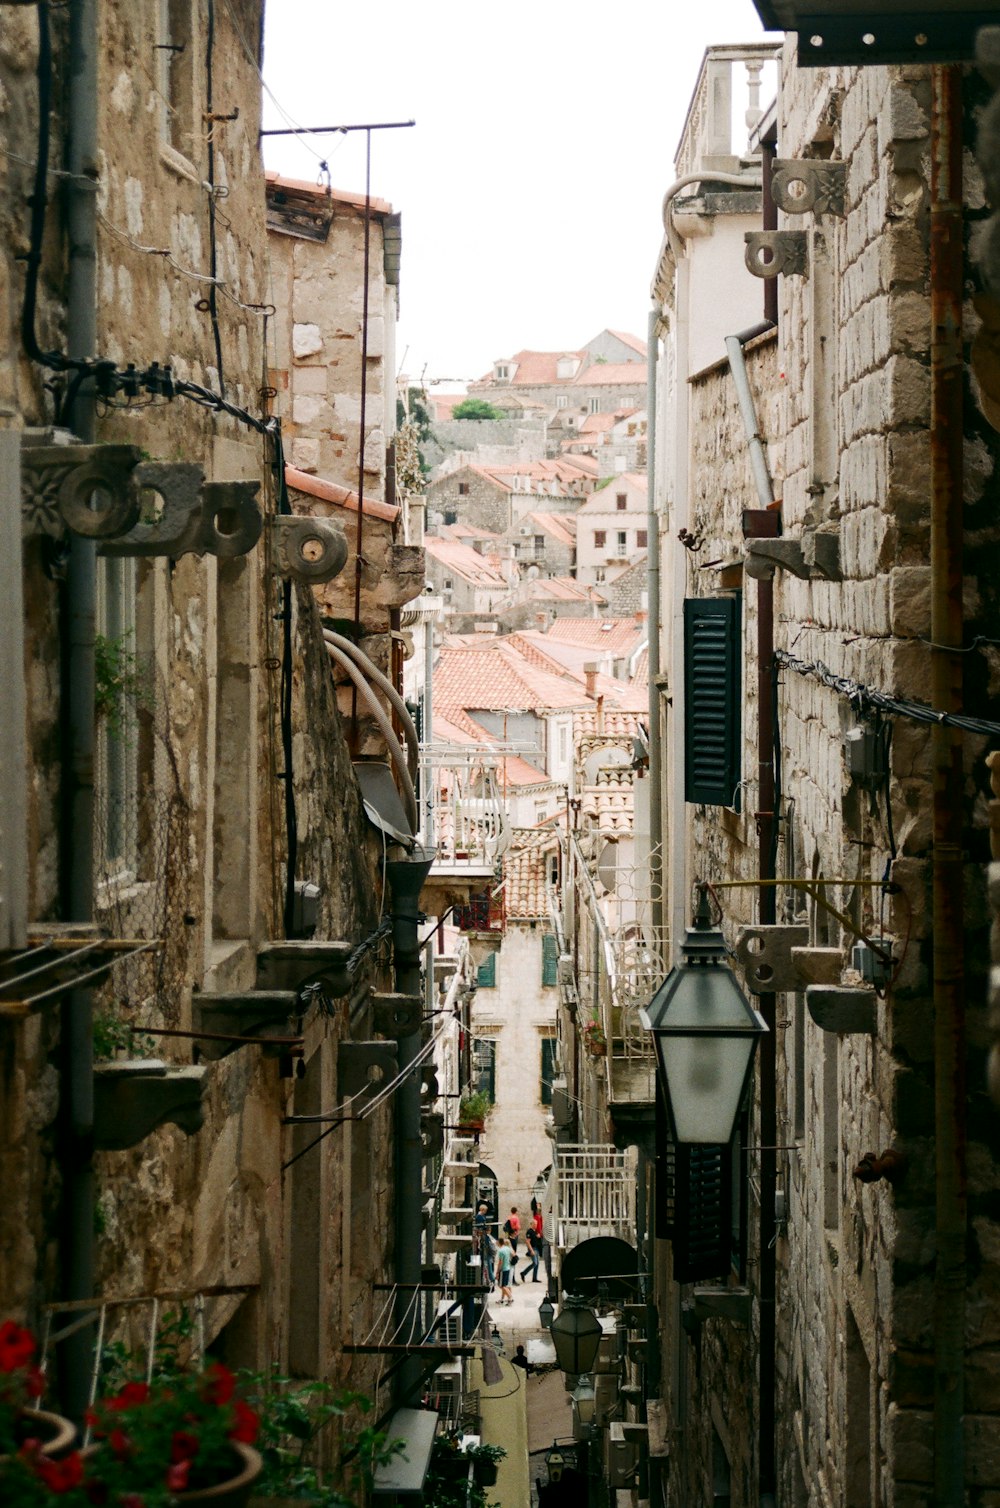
(788, 250)
(198, 517)
(821, 186)
(765, 955)
(397, 1015)
(431, 1133)
(302, 963)
(133, 1099)
(429, 1088)
(356, 1064)
(96, 491)
(250, 1013)
(307, 550)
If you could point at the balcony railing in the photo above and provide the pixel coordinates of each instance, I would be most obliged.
(591, 1193)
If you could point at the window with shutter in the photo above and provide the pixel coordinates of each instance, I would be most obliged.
(486, 974)
(712, 729)
(548, 1068)
(550, 960)
(694, 1205)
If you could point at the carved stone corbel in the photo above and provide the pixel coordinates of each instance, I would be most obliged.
(132, 1100)
(197, 518)
(431, 1134)
(397, 1015)
(355, 1062)
(821, 186)
(308, 550)
(86, 488)
(789, 253)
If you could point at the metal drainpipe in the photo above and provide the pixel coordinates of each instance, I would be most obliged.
(946, 748)
(79, 627)
(763, 523)
(406, 878)
(653, 640)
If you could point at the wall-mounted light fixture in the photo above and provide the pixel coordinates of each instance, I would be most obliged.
(705, 1032)
(576, 1334)
(836, 32)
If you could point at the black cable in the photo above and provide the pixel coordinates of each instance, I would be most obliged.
(776, 768)
(39, 199)
(291, 818)
(885, 738)
(213, 259)
(867, 700)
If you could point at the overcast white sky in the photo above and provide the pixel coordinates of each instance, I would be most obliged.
(530, 186)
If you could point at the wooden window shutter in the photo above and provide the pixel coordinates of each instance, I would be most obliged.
(548, 1068)
(486, 974)
(712, 729)
(550, 960)
(693, 1204)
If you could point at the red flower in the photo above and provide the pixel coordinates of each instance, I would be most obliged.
(131, 1394)
(17, 1347)
(119, 1443)
(246, 1426)
(183, 1446)
(61, 1476)
(35, 1382)
(220, 1384)
(177, 1476)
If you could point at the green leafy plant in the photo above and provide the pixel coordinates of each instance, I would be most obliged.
(112, 1035)
(120, 682)
(293, 1415)
(474, 1108)
(447, 1484)
(475, 408)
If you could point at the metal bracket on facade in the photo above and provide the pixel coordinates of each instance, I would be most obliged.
(843, 1009)
(429, 1088)
(364, 1068)
(197, 517)
(397, 1015)
(431, 1134)
(308, 550)
(86, 488)
(821, 186)
(765, 955)
(788, 249)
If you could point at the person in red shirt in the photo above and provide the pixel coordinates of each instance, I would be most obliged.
(512, 1229)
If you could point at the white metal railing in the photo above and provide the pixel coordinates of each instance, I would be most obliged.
(592, 1194)
(463, 799)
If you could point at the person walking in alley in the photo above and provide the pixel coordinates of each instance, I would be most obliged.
(487, 1246)
(512, 1229)
(504, 1260)
(533, 1242)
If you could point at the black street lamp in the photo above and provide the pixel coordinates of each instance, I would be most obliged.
(546, 1313)
(576, 1334)
(705, 1032)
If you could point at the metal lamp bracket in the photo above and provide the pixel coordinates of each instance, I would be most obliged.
(308, 550)
(789, 253)
(197, 518)
(821, 186)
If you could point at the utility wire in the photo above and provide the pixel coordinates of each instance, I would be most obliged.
(867, 700)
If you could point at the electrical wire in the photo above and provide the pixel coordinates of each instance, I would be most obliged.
(302, 133)
(868, 700)
(213, 247)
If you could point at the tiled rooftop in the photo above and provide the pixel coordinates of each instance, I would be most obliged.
(618, 635)
(464, 561)
(525, 872)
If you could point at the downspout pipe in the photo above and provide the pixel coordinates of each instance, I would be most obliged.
(653, 640)
(763, 522)
(951, 1210)
(79, 628)
(406, 878)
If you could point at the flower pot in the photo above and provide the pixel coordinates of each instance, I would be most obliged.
(597, 1049)
(235, 1491)
(486, 1473)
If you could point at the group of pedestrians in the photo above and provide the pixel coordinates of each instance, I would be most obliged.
(500, 1255)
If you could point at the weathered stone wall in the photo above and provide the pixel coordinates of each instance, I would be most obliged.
(485, 504)
(843, 398)
(319, 292)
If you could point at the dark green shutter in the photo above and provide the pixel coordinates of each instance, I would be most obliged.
(548, 1067)
(486, 974)
(712, 728)
(694, 1205)
(550, 960)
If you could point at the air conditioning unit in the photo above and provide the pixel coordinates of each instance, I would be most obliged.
(526, 532)
(449, 1326)
(605, 1396)
(562, 1109)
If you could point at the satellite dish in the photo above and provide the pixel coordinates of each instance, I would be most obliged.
(601, 759)
(607, 866)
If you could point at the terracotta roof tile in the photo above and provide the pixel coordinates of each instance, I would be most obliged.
(525, 871)
(332, 492)
(494, 677)
(464, 561)
(620, 635)
(612, 374)
(319, 192)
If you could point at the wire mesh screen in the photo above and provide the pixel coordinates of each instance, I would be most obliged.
(140, 888)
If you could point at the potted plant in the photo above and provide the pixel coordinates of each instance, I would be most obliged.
(183, 1439)
(22, 1386)
(473, 1110)
(594, 1038)
(485, 1462)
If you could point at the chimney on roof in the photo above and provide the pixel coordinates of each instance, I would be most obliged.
(590, 670)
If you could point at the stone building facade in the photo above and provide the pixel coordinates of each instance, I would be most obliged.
(798, 1365)
(216, 834)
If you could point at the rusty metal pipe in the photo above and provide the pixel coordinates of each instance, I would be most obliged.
(946, 750)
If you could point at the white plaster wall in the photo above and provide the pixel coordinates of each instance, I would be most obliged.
(726, 296)
(518, 1012)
